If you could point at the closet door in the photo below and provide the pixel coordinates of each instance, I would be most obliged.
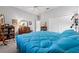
(38, 25)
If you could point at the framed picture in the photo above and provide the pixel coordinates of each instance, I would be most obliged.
(2, 19)
(30, 23)
(14, 21)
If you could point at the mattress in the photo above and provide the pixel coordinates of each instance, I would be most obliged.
(48, 42)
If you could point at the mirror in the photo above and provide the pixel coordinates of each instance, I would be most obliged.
(2, 19)
(24, 23)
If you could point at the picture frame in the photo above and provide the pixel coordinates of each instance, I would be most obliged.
(30, 23)
(14, 21)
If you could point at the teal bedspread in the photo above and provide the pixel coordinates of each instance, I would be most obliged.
(48, 42)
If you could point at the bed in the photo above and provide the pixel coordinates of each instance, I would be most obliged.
(48, 42)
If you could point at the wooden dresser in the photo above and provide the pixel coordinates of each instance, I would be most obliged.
(8, 32)
(24, 29)
(43, 28)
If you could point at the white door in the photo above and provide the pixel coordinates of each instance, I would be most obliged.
(37, 25)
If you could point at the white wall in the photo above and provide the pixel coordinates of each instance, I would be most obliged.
(14, 13)
(59, 18)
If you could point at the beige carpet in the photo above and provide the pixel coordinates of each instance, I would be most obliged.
(9, 48)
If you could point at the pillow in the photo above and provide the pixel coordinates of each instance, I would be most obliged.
(69, 33)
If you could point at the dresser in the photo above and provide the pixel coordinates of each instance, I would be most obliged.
(7, 32)
(43, 28)
(24, 29)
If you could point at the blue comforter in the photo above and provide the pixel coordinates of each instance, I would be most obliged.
(48, 42)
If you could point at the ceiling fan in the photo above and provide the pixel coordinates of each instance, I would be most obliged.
(40, 6)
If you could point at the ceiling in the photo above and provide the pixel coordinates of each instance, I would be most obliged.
(36, 9)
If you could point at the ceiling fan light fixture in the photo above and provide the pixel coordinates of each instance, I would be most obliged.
(47, 8)
(35, 6)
